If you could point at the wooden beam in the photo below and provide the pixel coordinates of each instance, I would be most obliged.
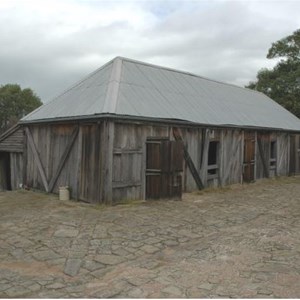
(25, 157)
(37, 158)
(109, 133)
(127, 151)
(79, 166)
(120, 185)
(220, 159)
(188, 159)
(263, 159)
(233, 151)
(281, 153)
(204, 155)
(63, 159)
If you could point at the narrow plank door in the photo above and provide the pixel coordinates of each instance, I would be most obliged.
(164, 161)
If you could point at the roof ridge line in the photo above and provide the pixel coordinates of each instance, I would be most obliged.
(111, 99)
(183, 72)
(85, 78)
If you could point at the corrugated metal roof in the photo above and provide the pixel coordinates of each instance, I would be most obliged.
(136, 89)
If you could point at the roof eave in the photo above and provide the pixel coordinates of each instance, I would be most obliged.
(150, 119)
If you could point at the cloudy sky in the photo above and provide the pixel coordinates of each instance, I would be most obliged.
(49, 45)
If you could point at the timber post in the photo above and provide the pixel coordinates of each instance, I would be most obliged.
(109, 132)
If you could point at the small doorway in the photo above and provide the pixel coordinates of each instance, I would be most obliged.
(5, 178)
(249, 157)
(164, 164)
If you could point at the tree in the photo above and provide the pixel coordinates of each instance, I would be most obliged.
(282, 83)
(15, 103)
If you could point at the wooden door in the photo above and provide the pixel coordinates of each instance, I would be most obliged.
(249, 157)
(164, 162)
(294, 167)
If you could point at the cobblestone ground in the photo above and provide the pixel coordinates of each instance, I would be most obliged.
(242, 241)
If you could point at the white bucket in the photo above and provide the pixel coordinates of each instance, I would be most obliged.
(64, 193)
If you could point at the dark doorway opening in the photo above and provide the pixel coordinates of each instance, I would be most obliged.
(273, 154)
(5, 176)
(213, 154)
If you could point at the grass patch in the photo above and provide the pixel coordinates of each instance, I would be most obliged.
(129, 202)
(263, 181)
(210, 190)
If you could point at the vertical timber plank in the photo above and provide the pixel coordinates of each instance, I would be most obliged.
(37, 159)
(109, 130)
(79, 165)
(221, 159)
(143, 175)
(25, 158)
(63, 159)
(205, 157)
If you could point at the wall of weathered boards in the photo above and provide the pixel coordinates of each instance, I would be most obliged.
(11, 159)
(105, 161)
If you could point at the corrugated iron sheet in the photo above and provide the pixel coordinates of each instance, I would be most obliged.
(131, 88)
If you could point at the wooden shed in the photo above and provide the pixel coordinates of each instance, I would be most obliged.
(132, 130)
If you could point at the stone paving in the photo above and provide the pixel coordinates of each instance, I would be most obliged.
(242, 241)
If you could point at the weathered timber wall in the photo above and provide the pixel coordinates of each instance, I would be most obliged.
(50, 142)
(192, 139)
(73, 149)
(106, 162)
(13, 141)
(129, 148)
(281, 165)
(283, 154)
(294, 162)
(262, 155)
(88, 165)
(129, 156)
(16, 170)
(231, 156)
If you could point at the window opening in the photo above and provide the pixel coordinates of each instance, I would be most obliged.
(213, 151)
(273, 153)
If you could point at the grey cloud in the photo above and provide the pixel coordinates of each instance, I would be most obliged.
(222, 40)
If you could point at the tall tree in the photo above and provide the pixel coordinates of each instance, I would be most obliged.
(15, 103)
(282, 83)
